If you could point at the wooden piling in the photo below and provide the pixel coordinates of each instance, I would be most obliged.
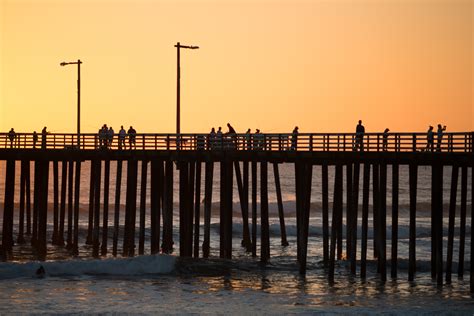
(225, 230)
(348, 210)
(354, 217)
(167, 246)
(248, 246)
(462, 228)
(7, 232)
(131, 206)
(21, 228)
(70, 204)
(96, 228)
(375, 210)
(190, 208)
(156, 194)
(184, 250)
(304, 178)
(383, 222)
(36, 202)
(254, 208)
(413, 174)
(244, 208)
(325, 202)
(281, 214)
(28, 197)
(437, 190)
(91, 201)
(265, 226)
(197, 210)
(55, 202)
(143, 189)
(336, 213)
(452, 216)
(43, 210)
(365, 220)
(209, 172)
(394, 257)
(105, 209)
(118, 187)
(77, 188)
(471, 273)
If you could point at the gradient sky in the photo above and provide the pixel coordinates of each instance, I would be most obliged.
(321, 65)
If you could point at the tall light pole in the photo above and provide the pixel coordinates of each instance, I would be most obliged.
(78, 63)
(178, 90)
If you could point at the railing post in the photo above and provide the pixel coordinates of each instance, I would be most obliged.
(143, 142)
(414, 142)
(311, 142)
(378, 142)
(344, 142)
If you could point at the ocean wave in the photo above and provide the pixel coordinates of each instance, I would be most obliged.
(140, 265)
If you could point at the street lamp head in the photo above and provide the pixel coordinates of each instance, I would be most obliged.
(194, 47)
(63, 63)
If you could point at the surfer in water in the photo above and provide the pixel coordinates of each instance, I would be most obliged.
(40, 272)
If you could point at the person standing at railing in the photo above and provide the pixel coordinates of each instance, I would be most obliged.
(212, 139)
(35, 139)
(294, 138)
(121, 138)
(219, 138)
(44, 132)
(248, 140)
(440, 136)
(360, 131)
(258, 140)
(231, 133)
(429, 139)
(132, 134)
(110, 137)
(11, 137)
(385, 139)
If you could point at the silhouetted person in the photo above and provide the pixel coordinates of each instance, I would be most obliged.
(40, 272)
(44, 132)
(440, 136)
(132, 134)
(360, 131)
(258, 139)
(232, 135)
(110, 137)
(294, 138)
(385, 139)
(35, 139)
(212, 139)
(219, 138)
(248, 139)
(11, 137)
(122, 135)
(430, 139)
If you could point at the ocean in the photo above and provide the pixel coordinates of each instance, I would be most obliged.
(168, 284)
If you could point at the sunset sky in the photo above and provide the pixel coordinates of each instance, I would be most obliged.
(268, 64)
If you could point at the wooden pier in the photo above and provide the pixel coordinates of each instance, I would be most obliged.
(195, 156)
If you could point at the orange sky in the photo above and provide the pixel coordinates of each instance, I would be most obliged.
(321, 65)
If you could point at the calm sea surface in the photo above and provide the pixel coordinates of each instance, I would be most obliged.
(171, 285)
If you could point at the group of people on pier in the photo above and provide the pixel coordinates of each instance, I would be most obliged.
(106, 137)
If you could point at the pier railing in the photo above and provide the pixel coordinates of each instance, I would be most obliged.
(372, 142)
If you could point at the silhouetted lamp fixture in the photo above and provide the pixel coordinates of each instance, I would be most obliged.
(178, 90)
(78, 63)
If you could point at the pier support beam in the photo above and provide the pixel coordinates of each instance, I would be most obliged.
(55, 203)
(365, 220)
(462, 228)
(325, 202)
(43, 209)
(96, 228)
(225, 229)
(130, 208)
(70, 202)
(394, 257)
(452, 217)
(118, 187)
(413, 179)
(197, 210)
(281, 214)
(105, 212)
(90, 225)
(265, 226)
(156, 196)
(336, 214)
(354, 217)
(244, 207)
(7, 232)
(143, 189)
(25, 164)
(167, 246)
(209, 173)
(77, 188)
(254, 209)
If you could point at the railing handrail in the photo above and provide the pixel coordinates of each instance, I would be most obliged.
(373, 141)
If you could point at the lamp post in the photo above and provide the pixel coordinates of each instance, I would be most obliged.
(78, 63)
(178, 91)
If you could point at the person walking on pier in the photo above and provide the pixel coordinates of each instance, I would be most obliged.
(11, 137)
(429, 139)
(44, 132)
(294, 138)
(359, 141)
(121, 138)
(110, 137)
(35, 139)
(440, 136)
(132, 134)
(385, 139)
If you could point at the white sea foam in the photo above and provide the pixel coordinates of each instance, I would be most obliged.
(141, 265)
